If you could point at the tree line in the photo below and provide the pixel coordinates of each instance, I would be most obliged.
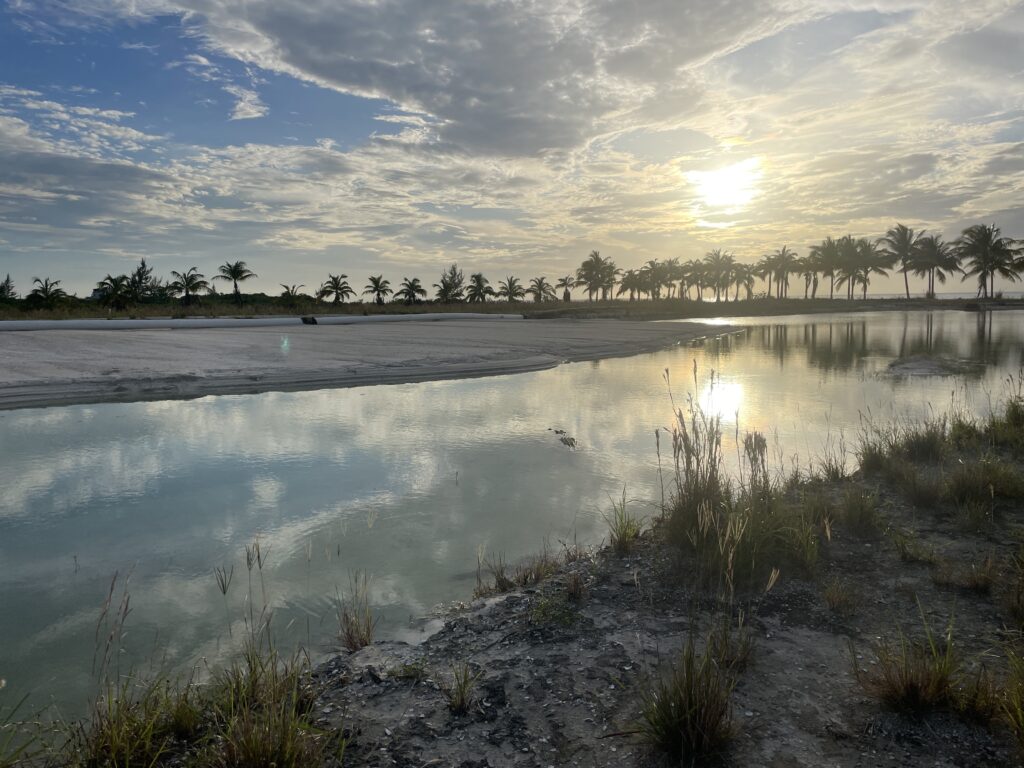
(846, 262)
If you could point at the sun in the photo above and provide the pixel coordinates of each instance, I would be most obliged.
(731, 187)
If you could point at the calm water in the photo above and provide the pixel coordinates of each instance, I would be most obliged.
(407, 482)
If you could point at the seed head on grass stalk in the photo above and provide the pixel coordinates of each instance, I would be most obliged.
(19, 741)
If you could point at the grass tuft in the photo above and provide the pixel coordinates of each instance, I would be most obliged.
(840, 598)
(912, 676)
(859, 513)
(459, 689)
(624, 528)
(356, 621)
(686, 714)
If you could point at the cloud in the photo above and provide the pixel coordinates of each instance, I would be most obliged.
(248, 104)
(583, 123)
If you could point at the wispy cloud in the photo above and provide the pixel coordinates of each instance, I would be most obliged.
(247, 104)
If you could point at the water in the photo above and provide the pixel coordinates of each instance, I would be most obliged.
(406, 482)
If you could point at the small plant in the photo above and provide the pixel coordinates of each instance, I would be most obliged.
(914, 676)
(840, 598)
(413, 671)
(686, 714)
(18, 745)
(355, 617)
(125, 726)
(859, 513)
(1012, 704)
(978, 698)
(575, 587)
(552, 610)
(976, 516)
(534, 570)
(978, 577)
(459, 689)
(984, 480)
(624, 528)
(730, 643)
(500, 582)
(910, 550)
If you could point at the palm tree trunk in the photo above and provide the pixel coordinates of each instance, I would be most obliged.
(906, 281)
(832, 286)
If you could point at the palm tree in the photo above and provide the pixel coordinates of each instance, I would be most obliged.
(410, 291)
(632, 282)
(566, 284)
(541, 290)
(336, 286)
(47, 293)
(114, 291)
(988, 254)
(511, 290)
(7, 290)
(901, 244)
(935, 259)
(784, 262)
(807, 269)
(671, 273)
(826, 258)
(848, 264)
(744, 275)
(236, 273)
(188, 284)
(290, 291)
(379, 288)
(479, 288)
(692, 276)
(450, 287)
(873, 260)
(598, 274)
(765, 269)
(718, 265)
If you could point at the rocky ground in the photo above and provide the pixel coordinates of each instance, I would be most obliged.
(560, 681)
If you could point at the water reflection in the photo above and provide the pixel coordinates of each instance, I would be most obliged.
(851, 343)
(408, 482)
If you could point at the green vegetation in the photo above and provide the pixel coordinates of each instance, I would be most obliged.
(624, 528)
(912, 675)
(460, 687)
(356, 621)
(847, 262)
(686, 713)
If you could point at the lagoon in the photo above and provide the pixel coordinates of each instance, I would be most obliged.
(409, 483)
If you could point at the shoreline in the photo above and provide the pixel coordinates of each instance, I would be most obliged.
(65, 367)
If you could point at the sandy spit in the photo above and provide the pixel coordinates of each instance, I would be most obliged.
(61, 367)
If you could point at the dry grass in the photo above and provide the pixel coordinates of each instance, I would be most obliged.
(841, 598)
(913, 676)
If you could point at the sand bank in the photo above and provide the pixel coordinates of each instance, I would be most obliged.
(59, 367)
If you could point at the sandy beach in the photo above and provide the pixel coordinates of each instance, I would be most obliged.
(60, 367)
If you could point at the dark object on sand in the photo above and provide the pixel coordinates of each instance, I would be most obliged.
(310, 320)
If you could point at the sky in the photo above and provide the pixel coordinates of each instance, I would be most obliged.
(309, 137)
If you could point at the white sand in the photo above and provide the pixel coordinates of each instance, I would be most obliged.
(56, 367)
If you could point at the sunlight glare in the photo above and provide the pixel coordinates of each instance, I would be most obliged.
(733, 186)
(722, 399)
